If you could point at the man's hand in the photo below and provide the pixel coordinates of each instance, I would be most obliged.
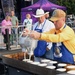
(26, 32)
(32, 34)
(35, 34)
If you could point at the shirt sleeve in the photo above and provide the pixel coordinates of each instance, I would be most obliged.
(3, 23)
(66, 34)
(16, 19)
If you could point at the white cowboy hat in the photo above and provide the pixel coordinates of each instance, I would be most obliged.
(39, 13)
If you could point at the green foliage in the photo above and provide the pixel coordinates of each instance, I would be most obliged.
(69, 4)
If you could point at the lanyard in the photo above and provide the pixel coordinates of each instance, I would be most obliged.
(42, 25)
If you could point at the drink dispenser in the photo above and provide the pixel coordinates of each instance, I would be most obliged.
(27, 44)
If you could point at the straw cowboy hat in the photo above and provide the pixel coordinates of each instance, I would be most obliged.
(39, 13)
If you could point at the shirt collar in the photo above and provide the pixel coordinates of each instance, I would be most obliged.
(57, 31)
(42, 22)
(62, 27)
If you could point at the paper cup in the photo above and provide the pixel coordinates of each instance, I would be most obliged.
(30, 61)
(70, 67)
(51, 67)
(61, 69)
(35, 63)
(42, 64)
(53, 62)
(25, 60)
(45, 60)
(71, 72)
(61, 65)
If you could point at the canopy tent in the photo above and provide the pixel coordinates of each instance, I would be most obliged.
(44, 4)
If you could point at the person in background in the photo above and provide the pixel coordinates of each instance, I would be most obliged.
(62, 36)
(28, 21)
(6, 24)
(15, 23)
(47, 15)
(43, 49)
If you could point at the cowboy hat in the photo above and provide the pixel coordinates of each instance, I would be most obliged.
(39, 13)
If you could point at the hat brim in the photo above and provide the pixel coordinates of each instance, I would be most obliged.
(54, 18)
(37, 16)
